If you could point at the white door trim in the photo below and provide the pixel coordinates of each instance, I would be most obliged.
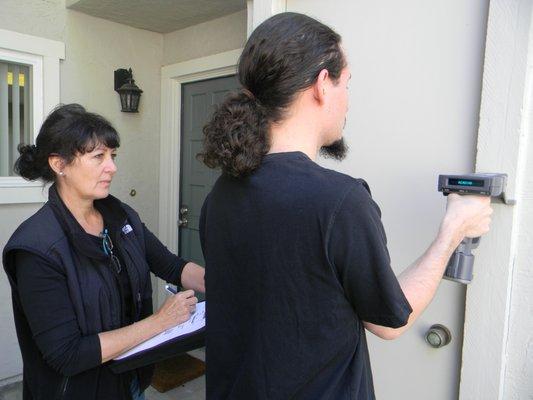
(260, 10)
(505, 125)
(172, 78)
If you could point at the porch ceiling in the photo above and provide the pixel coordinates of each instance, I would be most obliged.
(157, 15)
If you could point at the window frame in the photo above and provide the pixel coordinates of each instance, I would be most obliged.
(44, 56)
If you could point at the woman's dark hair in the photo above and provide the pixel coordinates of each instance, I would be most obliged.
(67, 132)
(283, 56)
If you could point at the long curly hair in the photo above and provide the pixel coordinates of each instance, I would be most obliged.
(283, 56)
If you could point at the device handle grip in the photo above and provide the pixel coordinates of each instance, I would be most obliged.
(468, 244)
(460, 268)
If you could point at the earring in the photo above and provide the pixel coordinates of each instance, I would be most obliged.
(61, 173)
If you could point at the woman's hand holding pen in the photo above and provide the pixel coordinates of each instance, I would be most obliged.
(176, 309)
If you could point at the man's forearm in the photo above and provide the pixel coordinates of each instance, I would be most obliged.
(420, 281)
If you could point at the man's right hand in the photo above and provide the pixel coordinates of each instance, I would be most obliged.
(466, 216)
(469, 214)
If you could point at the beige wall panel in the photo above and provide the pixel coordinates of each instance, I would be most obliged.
(212, 37)
(10, 361)
(94, 49)
(519, 365)
(34, 17)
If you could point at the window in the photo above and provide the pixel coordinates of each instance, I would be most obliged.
(15, 112)
(29, 90)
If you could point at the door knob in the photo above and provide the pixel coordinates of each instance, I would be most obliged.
(438, 336)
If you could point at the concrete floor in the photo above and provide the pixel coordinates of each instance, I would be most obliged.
(193, 390)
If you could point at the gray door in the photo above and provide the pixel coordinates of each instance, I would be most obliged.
(196, 179)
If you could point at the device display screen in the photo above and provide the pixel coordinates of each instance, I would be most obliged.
(466, 182)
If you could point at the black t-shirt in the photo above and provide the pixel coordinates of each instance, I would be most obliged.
(296, 259)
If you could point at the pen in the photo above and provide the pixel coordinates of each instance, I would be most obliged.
(170, 289)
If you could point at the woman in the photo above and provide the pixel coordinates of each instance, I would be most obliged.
(80, 267)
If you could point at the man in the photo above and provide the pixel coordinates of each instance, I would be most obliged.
(296, 259)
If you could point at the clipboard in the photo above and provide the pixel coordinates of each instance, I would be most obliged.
(166, 350)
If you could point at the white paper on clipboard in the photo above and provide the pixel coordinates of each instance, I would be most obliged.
(196, 322)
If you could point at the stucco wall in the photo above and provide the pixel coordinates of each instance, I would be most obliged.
(10, 361)
(212, 37)
(34, 17)
(94, 49)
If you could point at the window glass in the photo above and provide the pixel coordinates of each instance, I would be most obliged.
(15, 112)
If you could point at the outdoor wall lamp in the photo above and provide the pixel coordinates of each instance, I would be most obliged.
(128, 91)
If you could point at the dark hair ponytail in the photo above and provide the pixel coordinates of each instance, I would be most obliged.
(69, 130)
(27, 165)
(283, 56)
(236, 136)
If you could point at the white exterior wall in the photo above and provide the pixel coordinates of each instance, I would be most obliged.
(33, 17)
(94, 49)
(518, 376)
(212, 37)
(497, 350)
(518, 356)
(10, 361)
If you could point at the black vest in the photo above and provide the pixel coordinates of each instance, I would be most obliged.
(53, 234)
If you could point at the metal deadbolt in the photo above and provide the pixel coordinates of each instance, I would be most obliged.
(182, 221)
(438, 336)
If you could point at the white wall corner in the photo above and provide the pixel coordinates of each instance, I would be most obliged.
(249, 17)
(260, 10)
(70, 3)
(502, 143)
(31, 44)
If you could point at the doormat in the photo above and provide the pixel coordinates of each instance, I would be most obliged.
(176, 371)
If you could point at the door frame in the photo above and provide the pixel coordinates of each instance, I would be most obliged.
(172, 78)
(505, 128)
